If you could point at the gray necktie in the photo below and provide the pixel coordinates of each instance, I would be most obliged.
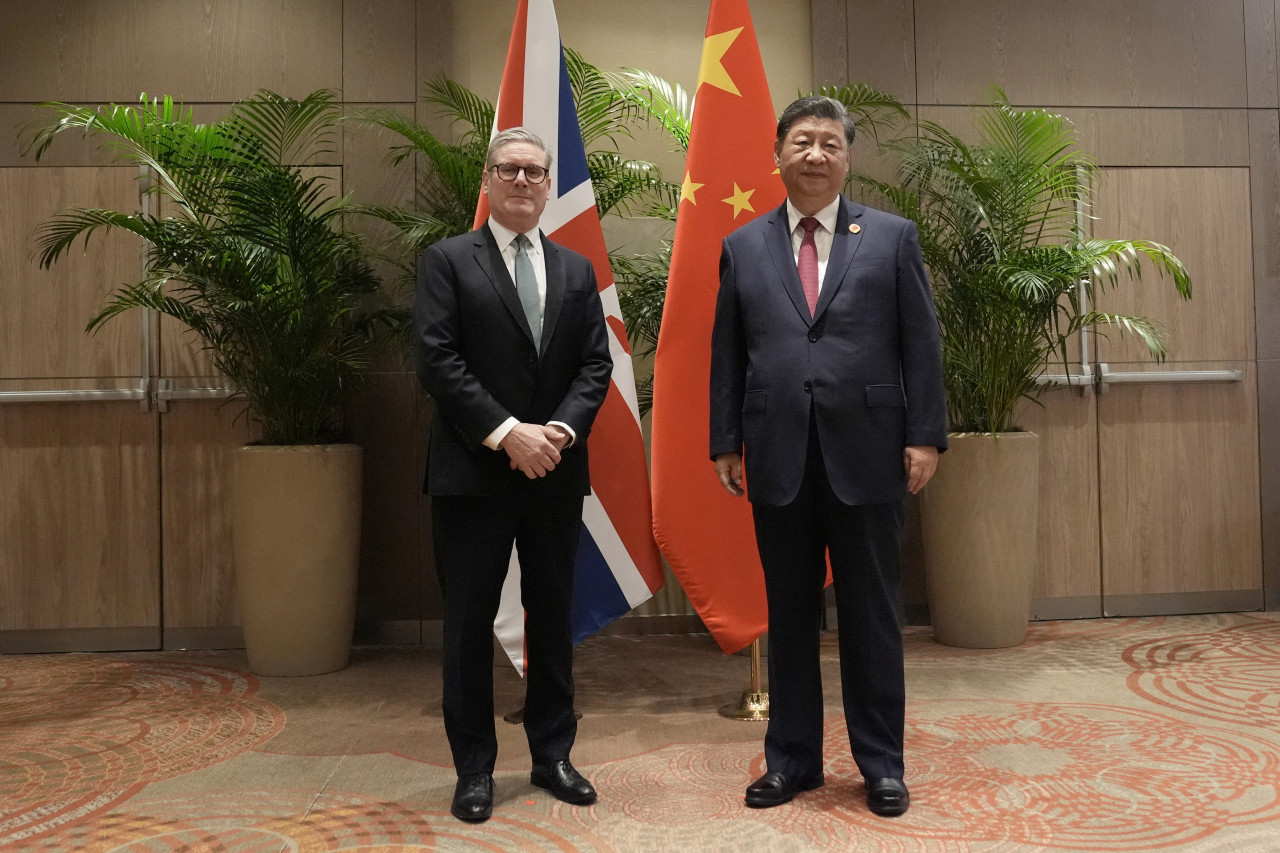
(527, 287)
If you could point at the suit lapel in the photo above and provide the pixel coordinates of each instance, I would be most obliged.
(555, 289)
(489, 257)
(778, 242)
(845, 243)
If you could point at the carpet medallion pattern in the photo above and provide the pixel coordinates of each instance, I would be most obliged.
(1156, 734)
(83, 733)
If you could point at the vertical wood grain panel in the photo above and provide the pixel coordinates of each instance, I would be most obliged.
(880, 45)
(198, 442)
(1203, 216)
(45, 311)
(435, 41)
(378, 50)
(1179, 486)
(1269, 467)
(1177, 53)
(1067, 564)
(393, 574)
(1260, 52)
(830, 40)
(112, 50)
(1264, 196)
(78, 509)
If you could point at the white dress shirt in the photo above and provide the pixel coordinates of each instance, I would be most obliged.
(507, 245)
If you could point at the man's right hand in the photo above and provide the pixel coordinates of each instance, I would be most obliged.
(530, 450)
(729, 470)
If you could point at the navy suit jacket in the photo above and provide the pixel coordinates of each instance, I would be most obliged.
(477, 358)
(868, 361)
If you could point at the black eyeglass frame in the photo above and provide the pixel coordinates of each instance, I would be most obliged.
(543, 172)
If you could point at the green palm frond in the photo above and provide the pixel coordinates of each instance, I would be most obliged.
(660, 101)
(1013, 277)
(872, 109)
(253, 256)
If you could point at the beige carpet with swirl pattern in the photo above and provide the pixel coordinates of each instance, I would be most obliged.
(1107, 735)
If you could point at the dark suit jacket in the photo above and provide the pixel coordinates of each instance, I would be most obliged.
(868, 361)
(477, 358)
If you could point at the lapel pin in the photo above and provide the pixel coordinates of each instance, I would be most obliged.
(855, 228)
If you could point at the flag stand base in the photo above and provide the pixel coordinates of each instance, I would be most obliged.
(753, 704)
(750, 706)
(516, 717)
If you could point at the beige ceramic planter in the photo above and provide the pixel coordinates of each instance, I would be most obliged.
(296, 528)
(979, 517)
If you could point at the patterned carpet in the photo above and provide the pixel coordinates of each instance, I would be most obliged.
(1121, 734)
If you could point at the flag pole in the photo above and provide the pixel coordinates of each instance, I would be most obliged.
(753, 704)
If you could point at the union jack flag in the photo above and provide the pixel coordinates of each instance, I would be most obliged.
(618, 562)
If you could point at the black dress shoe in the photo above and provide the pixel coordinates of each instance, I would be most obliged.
(774, 789)
(887, 797)
(473, 798)
(567, 784)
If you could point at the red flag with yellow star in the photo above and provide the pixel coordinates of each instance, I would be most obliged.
(730, 178)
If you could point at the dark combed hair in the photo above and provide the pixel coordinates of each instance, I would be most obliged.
(816, 106)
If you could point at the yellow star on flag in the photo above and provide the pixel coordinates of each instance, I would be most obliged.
(741, 200)
(688, 188)
(712, 70)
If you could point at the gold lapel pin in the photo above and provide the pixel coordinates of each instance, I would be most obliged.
(855, 228)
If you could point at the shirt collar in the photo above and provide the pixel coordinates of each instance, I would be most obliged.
(505, 236)
(826, 217)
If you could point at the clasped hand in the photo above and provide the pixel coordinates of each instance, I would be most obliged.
(534, 449)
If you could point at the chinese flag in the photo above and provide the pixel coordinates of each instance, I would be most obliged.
(730, 178)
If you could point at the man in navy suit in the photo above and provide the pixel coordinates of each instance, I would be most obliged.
(511, 344)
(826, 387)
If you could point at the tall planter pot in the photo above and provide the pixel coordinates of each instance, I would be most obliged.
(296, 529)
(979, 518)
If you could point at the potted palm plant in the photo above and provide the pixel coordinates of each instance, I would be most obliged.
(250, 253)
(1014, 279)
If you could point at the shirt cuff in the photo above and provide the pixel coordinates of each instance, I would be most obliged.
(573, 436)
(494, 439)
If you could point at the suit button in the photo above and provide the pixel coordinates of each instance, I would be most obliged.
(813, 338)
(808, 387)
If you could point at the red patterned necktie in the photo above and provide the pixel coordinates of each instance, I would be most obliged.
(807, 263)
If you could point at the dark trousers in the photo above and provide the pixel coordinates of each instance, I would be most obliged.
(863, 543)
(473, 539)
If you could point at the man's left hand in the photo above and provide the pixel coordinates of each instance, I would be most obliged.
(920, 461)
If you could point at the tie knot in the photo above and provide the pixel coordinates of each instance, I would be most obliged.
(809, 224)
(522, 243)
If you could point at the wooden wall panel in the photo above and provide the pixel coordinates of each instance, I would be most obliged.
(865, 41)
(78, 541)
(1067, 558)
(1264, 196)
(113, 50)
(1152, 53)
(198, 442)
(1117, 136)
(397, 580)
(1179, 486)
(1260, 52)
(378, 50)
(45, 311)
(1203, 215)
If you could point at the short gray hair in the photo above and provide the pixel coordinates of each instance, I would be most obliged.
(816, 106)
(516, 134)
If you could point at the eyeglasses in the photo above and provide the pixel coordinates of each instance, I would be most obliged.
(510, 171)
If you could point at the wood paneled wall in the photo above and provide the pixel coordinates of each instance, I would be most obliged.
(1154, 497)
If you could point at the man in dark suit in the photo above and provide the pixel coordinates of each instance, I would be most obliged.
(512, 347)
(826, 372)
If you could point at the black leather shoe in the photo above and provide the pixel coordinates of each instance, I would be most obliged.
(473, 798)
(567, 784)
(887, 797)
(774, 789)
